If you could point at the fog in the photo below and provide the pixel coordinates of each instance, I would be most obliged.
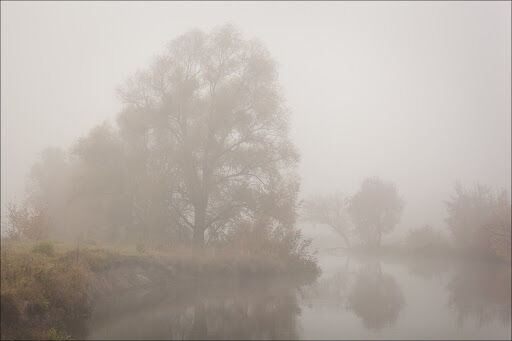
(404, 106)
(418, 93)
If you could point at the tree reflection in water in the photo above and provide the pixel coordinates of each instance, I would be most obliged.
(375, 297)
(220, 311)
(270, 310)
(270, 316)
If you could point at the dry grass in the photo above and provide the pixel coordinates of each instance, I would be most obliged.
(45, 295)
(232, 261)
(42, 295)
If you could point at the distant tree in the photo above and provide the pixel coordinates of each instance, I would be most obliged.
(375, 210)
(499, 227)
(330, 210)
(210, 106)
(500, 240)
(479, 219)
(118, 190)
(48, 189)
(99, 198)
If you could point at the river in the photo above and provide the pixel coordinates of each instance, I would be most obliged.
(352, 299)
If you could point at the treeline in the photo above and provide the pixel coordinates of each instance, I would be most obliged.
(199, 155)
(478, 219)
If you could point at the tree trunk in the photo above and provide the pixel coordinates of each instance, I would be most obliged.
(199, 225)
(198, 236)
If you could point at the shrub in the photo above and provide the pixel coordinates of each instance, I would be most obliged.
(44, 248)
(284, 245)
(42, 299)
(426, 239)
(56, 334)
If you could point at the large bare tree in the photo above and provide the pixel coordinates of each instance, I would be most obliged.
(211, 107)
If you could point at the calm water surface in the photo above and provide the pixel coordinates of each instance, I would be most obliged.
(353, 299)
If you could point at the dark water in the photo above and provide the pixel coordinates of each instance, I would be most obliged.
(353, 299)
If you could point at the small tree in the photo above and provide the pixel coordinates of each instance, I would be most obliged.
(375, 210)
(330, 210)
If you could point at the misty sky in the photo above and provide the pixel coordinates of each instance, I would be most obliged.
(418, 93)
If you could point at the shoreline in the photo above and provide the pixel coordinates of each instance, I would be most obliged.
(49, 296)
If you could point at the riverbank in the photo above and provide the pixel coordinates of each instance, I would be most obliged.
(49, 289)
(400, 251)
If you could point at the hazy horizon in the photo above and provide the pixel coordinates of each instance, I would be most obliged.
(416, 93)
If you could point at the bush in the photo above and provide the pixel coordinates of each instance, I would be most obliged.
(283, 245)
(45, 248)
(426, 239)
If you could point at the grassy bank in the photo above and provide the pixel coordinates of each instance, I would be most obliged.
(42, 293)
(46, 287)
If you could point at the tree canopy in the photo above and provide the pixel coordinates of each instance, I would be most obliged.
(200, 149)
(209, 111)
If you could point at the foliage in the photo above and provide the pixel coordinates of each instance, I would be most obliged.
(285, 245)
(199, 149)
(47, 294)
(479, 220)
(500, 241)
(210, 106)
